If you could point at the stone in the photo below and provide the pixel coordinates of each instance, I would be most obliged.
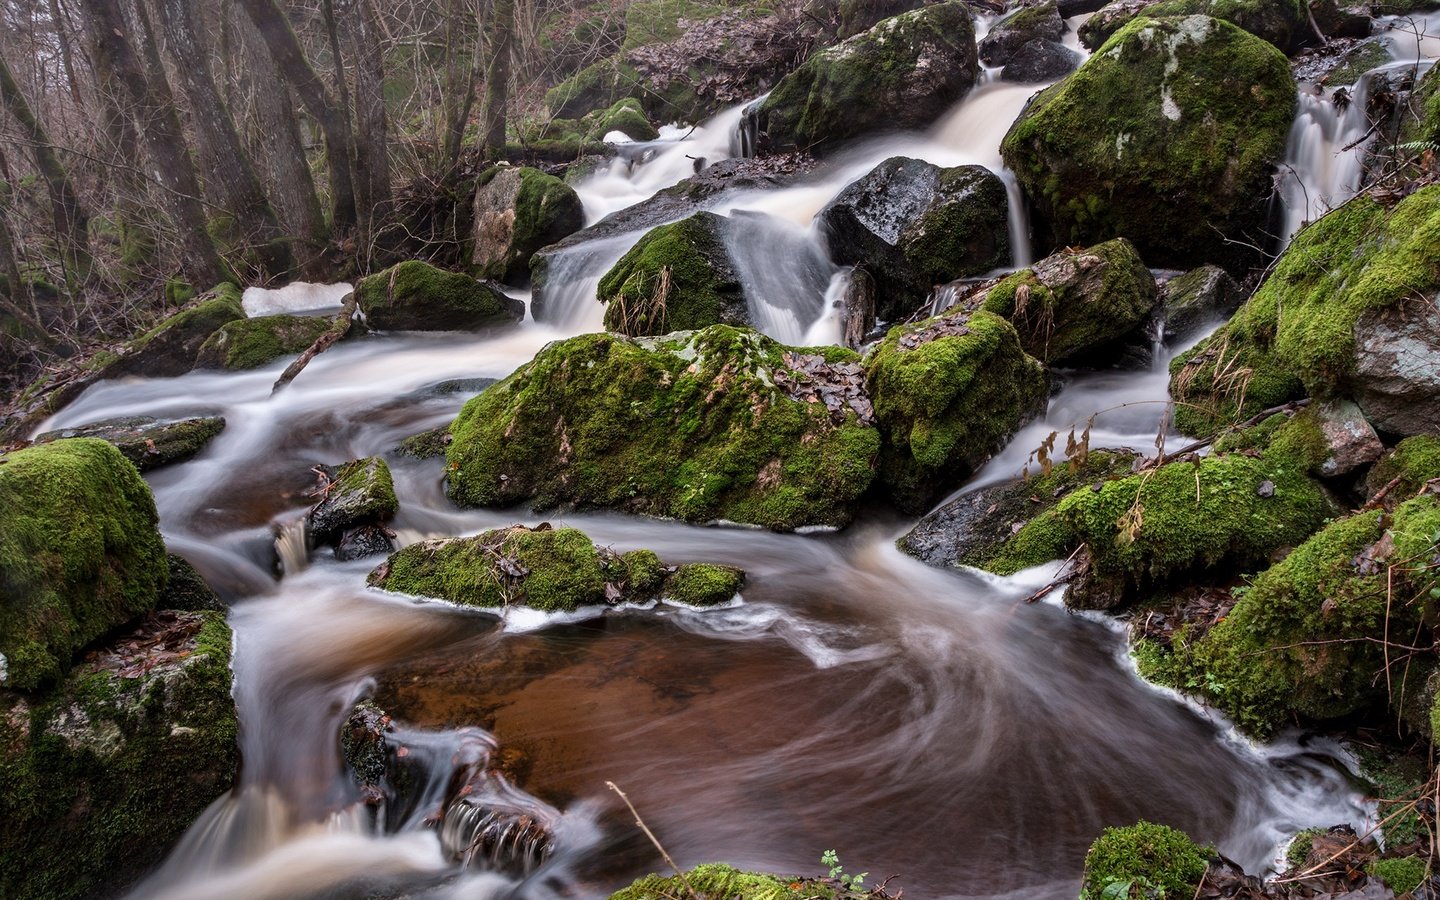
(148, 443)
(1350, 441)
(416, 296)
(1038, 61)
(516, 212)
(677, 278)
(1029, 23)
(360, 493)
(1191, 300)
(251, 343)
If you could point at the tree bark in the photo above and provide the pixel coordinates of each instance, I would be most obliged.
(372, 158)
(164, 141)
(67, 55)
(285, 49)
(497, 76)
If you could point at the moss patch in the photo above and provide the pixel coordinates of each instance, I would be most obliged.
(361, 493)
(251, 343)
(1158, 860)
(677, 278)
(720, 880)
(626, 115)
(416, 296)
(170, 348)
(1400, 875)
(703, 584)
(1414, 461)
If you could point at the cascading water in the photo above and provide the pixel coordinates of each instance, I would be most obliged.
(1325, 155)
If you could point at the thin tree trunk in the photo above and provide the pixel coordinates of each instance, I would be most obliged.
(459, 117)
(67, 55)
(285, 49)
(497, 76)
(226, 162)
(164, 142)
(372, 159)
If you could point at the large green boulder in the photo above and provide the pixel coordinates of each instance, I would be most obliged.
(626, 116)
(901, 74)
(948, 392)
(1028, 23)
(1074, 305)
(677, 278)
(516, 212)
(1284, 23)
(251, 343)
(101, 775)
(1169, 135)
(416, 296)
(1337, 317)
(171, 348)
(699, 426)
(79, 554)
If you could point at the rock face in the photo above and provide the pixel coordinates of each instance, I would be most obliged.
(911, 225)
(1351, 327)
(677, 278)
(79, 555)
(147, 443)
(251, 343)
(1040, 61)
(99, 776)
(1197, 298)
(947, 391)
(696, 425)
(1168, 136)
(416, 296)
(357, 503)
(1073, 305)
(517, 211)
(901, 74)
(1029, 23)
(170, 348)
(549, 569)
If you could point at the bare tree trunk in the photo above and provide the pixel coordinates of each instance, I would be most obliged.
(163, 138)
(226, 162)
(497, 76)
(372, 154)
(285, 49)
(72, 222)
(458, 113)
(67, 55)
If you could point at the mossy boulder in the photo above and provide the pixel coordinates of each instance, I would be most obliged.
(1335, 318)
(1040, 60)
(549, 569)
(1284, 23)
(1303, 638)
(720, 880)
(1420, 129)
(416, 296)
(1005, 38)
(947, 392)
(912, 225)
(99, 776)
(186, 589)
(1168, 135)
(901, 74)
(695, 425)
(79, 554)
(516, 212)
(626, 116)
(360, 495)
(251, 343)
(1202, 296)
(171, 348)
(860, 15)
(148, 443)
(1156, 858)
(1074, 305)
(597, 86)
(677, 278)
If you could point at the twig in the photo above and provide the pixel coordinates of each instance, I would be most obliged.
(1256, 419)
(1063, 578)
(654, 840)
(335, 332)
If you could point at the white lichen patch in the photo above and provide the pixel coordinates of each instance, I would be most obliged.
(1168, 107)
(1121, 140)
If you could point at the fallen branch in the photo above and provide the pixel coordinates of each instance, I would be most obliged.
(1064, 577)
(654, 840)
(337, 330)
(1256, 419)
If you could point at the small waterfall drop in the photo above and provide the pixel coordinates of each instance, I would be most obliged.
(1325, 154)
(568, 299)
(784, 270)
(292, 545)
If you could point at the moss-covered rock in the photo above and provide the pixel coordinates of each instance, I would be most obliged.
(1357, 60)
(1333, 319)
(1202, 296)
(148, 443)
(947, 392)
(1284, 23)
(695, 425)
(186, 589)
(171, 348)
(1168, 135)
(720, 880)
(1157, 859)
(626, 116)
(1420, 126)
(1005, 38)
(360, 493)
(251, 343)
(703, 584)
(99, 776)
(597, 86)
(677, 278)
(1074, 305)
(901, 74)
(1413, 462)
(1400, 874)
(416, 296)
(79, 554)
(516, 212)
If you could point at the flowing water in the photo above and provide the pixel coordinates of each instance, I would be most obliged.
(924, 723)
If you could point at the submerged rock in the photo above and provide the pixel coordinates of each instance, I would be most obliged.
(693, 425)
(1076, 304)
(251, 343)
(1169, 135)
(549, 569)
(79, 555)
(901, 74)
(416, 296)
(677, 278)
(148, 443)
(1028, 23)
(516, 212)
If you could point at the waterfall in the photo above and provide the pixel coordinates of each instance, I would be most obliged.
(784, 270)
(296, 297)
(1325, 154)
(292, 544)
(568, 296)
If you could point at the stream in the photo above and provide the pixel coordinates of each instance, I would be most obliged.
(923, 723)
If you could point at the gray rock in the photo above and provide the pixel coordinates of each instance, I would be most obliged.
(1040, 60)
(1397, 367)
(367, 540)
(361, 493)
(516, 212)
(1353, 443)
(148, 443)
(1029, 23)
(1194, 299)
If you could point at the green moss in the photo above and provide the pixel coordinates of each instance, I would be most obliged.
(1156, 860)
(251, 343)
(542, 209)
(1285, 24)
(1300, 847)
(625, 115)
(703, 584)
(426, 444)
(79, 554)
(676, 278)
(689, 426)
(1296, 334)
(361, 493)
(597, 86)
(416, 296)
(170, 348)
(964, 233)
(1397, 779)
(658, 21)
(1415, 461)
(947, 391)
(720, 880)
(1420, 129)
(1358, 60)
(1167, 135)
(1401, 875)
(178, 292)
(644, 572)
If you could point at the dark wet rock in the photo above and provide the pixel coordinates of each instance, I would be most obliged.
(451, 387)
(911, 225)
(1070, 8)
(186, 589)
(1397, 367)
(251, 343)
(360, 493)
(416, 296)
(1169, 138)
(425, 445)
(1040, 61)
(901, 74)
(516, 212)
(1338, 20)
(1029, 23)
(79, 555)
(101, 774)
(677, 278)
(146, 442)
(367, 540)
(1194, 299)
